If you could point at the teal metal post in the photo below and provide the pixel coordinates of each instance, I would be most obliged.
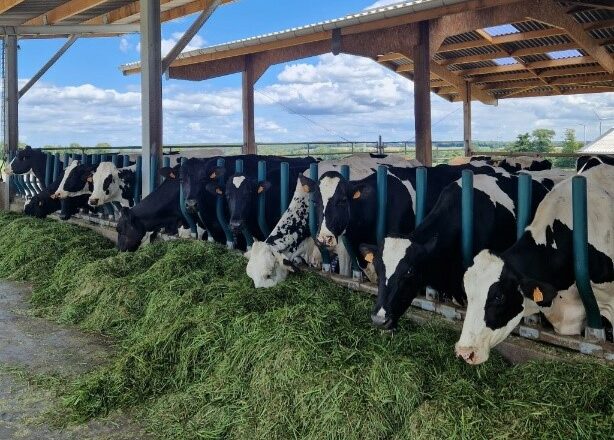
(66, 160)
(284, 181)
(166, 162)
(467, 217)
(138, 179)
(186, 215)
(115, 160)
(248, 237)
(48, 169)
(313, 221)
(421, 188)
(262, 200)
(219, 210)
(56, 166)
(125, 161)
(356, 272)
(523, 214)
(153, 170)
(95, 159)
(382, 202)
(86, 159)
(580, 250)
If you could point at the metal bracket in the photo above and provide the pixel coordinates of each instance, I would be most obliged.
(528, 332)
(431, 294)
(448, 312)
(588, 348)
(594, 334)
(357, 276)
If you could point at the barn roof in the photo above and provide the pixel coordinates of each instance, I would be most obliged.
(503, 48)
(45, 18)
(604, 144)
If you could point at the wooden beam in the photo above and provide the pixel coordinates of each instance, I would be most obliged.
(518, 67)
(571, 71)
(422, 96)
(502, 39)
(603, 4)
(552, 13)
(559, 63)
(583, 79)
(459, 82)
(249, 131)
(598, 25)
(574, 91)
(467, 119)
(64, 11)
(490, 69)
(543, 49)
(390, 57)
(473, 58)
(5, 5)
(501, 77)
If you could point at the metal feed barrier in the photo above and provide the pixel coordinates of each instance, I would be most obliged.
(592, 343)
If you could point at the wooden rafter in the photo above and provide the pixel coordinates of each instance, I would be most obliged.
(5, 5)
(535, 65)
(552, 13)
(603, 4)
(502, 39)
(64, 11)
(459, 82)
(390, 57)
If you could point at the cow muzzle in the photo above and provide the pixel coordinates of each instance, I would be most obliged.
(236, 225)
(382, 321)
(327, 240)
(93, 202)
(469, 355)
(191, 205)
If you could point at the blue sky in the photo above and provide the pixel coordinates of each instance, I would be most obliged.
(84, 98)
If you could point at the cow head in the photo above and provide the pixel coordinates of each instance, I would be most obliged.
(397, 263)
(24, 161)
(130, 231)
(241, 192)
(105, 184)
(334, 196)
(267, 267)
(77, 180)
(497, 297)
(41, 205)
(194, 175)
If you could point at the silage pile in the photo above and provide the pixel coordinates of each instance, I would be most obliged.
(204, 355)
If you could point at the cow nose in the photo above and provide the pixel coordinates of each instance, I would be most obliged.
(381, 320)
(191, 204)
(235, 225)
(467, 354)
(93, 202)
(327, 240)
(55, 195)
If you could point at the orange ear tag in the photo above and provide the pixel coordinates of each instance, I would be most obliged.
(260, 189)
(306, 188)
(356, 195)
(369, 257)
(538, 295)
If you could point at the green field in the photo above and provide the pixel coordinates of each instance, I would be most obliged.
(203, 355)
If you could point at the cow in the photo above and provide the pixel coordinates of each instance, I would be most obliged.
(536, 274)
(290, 240)
(350, 208)
(526, 163)
(77, 180)
(406, 264)
(242, 191)
(159, 210)
(584, 163)
(29, 160)
(112, 185)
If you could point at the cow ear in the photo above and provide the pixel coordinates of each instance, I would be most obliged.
(309, 185)
(360, 191)
(214, 189)
(263, 186)
(368, 252)
(217, 172)
(167, 173)
(541, 293)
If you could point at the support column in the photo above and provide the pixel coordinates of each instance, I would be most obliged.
(11, 107)
(422, 96)
(249, 131)
(151, 94)
(467, 119)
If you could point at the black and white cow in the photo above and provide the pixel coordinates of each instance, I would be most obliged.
(29, 160)
(242, 191)
(290, 240)
(159, 210)
(77, 180)
(523, 163)
(432, 254)
(537, 273)
(587, 162)
(112, 184)
(350, 208)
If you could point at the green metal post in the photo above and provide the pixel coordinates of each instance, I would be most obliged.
(356, 272)
(421, 188)
(467, 217)
(262, 200)
(248, 237)
(284, 181)
(523, 214)
(313, 221)
(219, 210)
(138, 179)
(48, 169)
(580, 250)
(56, 166)
(382, 202)
(186, 215)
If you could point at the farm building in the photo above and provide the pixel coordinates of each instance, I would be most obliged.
(495, 275)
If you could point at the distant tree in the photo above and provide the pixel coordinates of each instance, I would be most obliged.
(103, 146)
(570, 145)
(542, 140)
(75, 146)
(522, 143)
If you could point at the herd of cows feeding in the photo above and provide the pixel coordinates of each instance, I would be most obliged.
(509, 277)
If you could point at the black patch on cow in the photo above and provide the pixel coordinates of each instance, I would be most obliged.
(504, 301)
(107, 183)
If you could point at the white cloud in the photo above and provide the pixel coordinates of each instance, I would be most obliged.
(124, 44)
(381, 3)
(166, 44)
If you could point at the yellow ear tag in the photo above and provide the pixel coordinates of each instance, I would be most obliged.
(306, 188)
(538, 295)
(369, 257)
(356, 195)
(260, 189)
(219, 191)
(213, 175)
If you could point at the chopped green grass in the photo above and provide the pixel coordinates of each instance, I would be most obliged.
(204, 355)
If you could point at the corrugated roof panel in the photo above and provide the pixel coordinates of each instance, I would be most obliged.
(528, 26)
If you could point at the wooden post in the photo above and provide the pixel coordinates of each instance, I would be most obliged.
(249, 134)
(422, 96)
(11, 109)
(467, 118)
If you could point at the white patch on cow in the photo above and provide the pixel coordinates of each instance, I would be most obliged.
(237, 181)
(328, 186)
(265, 266)
(9, 168)
(115, 188)
(381, 313)
(410, 189)
(476, 338)
(556, 175)
(393, 252)
(488, 185)
(61, 192)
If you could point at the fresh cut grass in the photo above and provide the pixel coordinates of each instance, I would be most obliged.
(204, 355)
